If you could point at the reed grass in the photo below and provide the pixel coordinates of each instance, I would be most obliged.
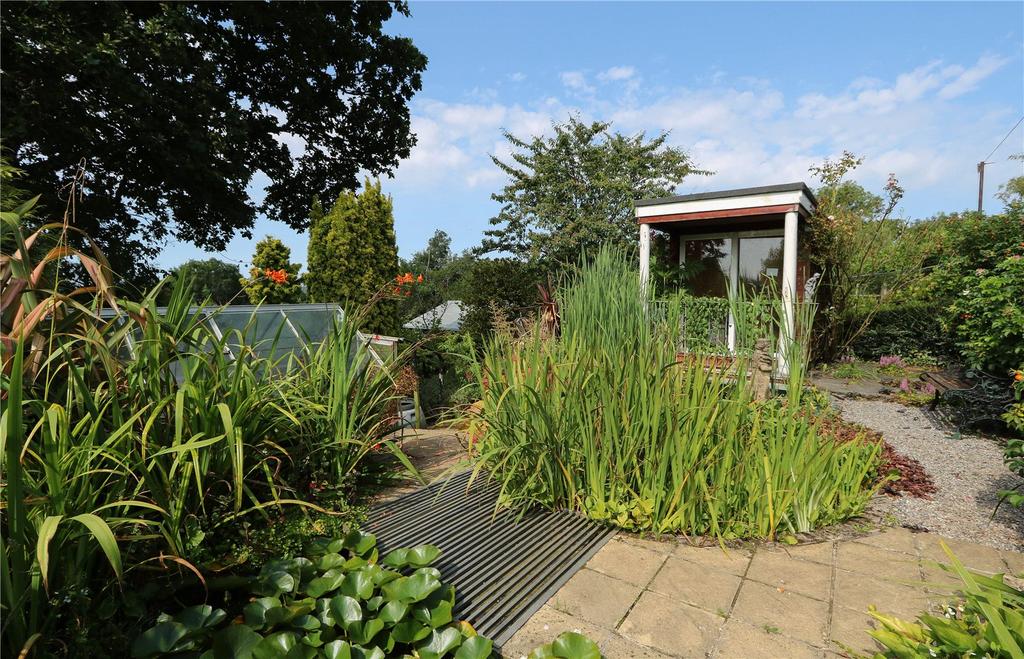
(607, 421)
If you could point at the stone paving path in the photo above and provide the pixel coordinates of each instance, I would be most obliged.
(639, 598)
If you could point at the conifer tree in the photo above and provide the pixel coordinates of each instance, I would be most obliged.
(352, 254)
(273, 278)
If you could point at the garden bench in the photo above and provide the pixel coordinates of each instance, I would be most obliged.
(974, 398)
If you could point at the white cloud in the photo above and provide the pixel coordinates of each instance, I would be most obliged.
(744, 129)
(518, 76)
(576, 81)
(967, 79)
(617, 73)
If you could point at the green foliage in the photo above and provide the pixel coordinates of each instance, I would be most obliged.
(352, 256)
(273, 278)
(212, 279)
(340, 601)
(902, 328)
(118, 452)
(987, 621)
(568, 645)
(176, 106)
(442, 273)
(574, 191)
(864, 253)
(504, 287)
(990, 317)
(606, 421)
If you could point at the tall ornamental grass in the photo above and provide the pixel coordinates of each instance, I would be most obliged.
(605, 420)
(127, 441)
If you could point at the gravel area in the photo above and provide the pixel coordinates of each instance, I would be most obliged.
(968, 473)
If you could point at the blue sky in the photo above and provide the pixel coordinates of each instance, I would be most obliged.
(755, 92)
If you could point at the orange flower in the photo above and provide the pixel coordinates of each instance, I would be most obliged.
(419, 279)
(276, 276)
(1019, 376)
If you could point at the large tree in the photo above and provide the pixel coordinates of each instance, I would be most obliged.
(212, 279)
(273, 278)
(574, 191)
(174, 107)
(352, 258)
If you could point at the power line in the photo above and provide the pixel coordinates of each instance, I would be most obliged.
(1005, 138)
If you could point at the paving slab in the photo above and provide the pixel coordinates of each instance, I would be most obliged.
(635, 564)
(777, 569)
(740, 639)
(596, 598)
(671, 627)
(771, 601)
(708, 588)
(777, 611)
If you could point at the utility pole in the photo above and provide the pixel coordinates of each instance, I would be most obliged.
(981, 184)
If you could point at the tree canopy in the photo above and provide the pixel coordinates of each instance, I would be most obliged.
(273, 278)
(352, 256)
(213, 279)
(175, 107)
(574, 191)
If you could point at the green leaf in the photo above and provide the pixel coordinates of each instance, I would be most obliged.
(329, 562)
(337, 650)
(357, 584)
(306, 622)
(360, 543)
(329, 582)
(419, 556)
(200, 616)
(159, 639)
(393, 612)
(475, 647)
(437, 616)
(409, 631)
(104, 536)
(570, 645)
(235, 642)
(359, 652)
(441, 642)
(346, 610)
(411, 589)
(280, 614)
(255, 612)
(371, 628)
(276, 646)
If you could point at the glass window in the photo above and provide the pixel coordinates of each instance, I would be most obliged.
(761, 264)
(706, 266)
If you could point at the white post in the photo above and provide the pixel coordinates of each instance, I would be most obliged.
(789, 250)
(645, 258)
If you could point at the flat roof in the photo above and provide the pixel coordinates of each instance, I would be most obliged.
(738, 192)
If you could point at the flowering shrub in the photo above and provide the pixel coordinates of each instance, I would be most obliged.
(989, 316)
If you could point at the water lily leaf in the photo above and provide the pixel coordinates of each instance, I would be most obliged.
(570, 645)
(312, 639)
(374, 602)
(326, 583)
(307, 622)
(410, 631)
(355, 563)
(275, 582)
(411, 589)
(475, 647)
(200, 616)
(370, 629)
(357, 584)
(255, 612)
(159, 639)
(329, 562)
(337, 650)
(235, 642)
(324, 613)
(346, 610)
(441, 642)
(279, 614)
(436, 616)
(429, 571)
(276, 646)
(360, 543)
(393, 612)
(359, 652)
(466, 629)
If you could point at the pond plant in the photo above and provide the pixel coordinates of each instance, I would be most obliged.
(133, 437)
(606, 419)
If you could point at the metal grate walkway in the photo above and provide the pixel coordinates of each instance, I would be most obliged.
(503, 568)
